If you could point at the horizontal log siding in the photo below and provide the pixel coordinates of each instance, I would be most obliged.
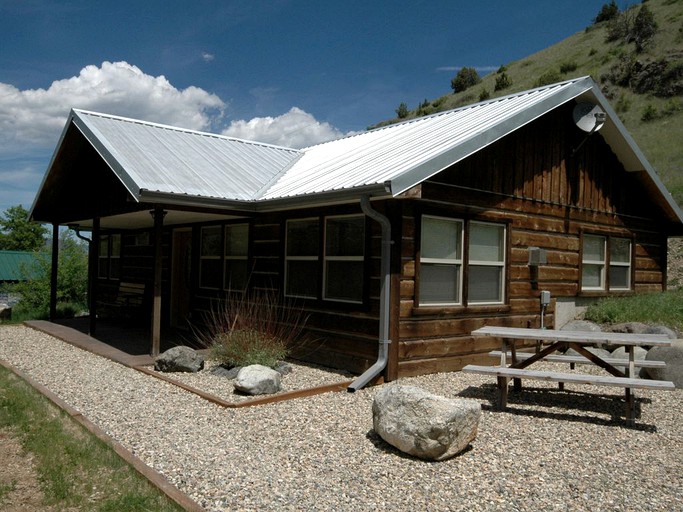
(547, 198)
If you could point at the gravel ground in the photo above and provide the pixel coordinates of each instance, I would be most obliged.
(550, 451)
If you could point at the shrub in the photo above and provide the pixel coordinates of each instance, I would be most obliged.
(256, 328)
(568, 67)
(465, 78)
(549, 77)
(650, 113)
(607, 12)
(484, 95)
(402, 111)
(502, 82)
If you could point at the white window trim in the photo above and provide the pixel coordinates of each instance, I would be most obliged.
(602, 263)
(458, 262)
(626, 264)
(327, 258)
(289, 258)
(484, 263)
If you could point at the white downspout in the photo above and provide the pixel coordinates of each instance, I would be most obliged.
(383, 355)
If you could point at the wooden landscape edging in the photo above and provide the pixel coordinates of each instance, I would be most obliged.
(154, 477)
(281, 397)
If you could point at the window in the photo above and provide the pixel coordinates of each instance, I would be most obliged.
(441, 261)
(445, 262)
(486, 263)
(344, 258)
(236, 273)
(210, 257)
(223, 257)
(620, 264)
(606, 263)
(301, 258)
(109, 264)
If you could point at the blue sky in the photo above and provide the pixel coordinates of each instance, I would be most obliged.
(287, 72)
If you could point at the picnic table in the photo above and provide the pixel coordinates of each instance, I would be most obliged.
(550, 344)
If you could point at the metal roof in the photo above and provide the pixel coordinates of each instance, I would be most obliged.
(159, 163)
(402, 155)
(158, 158)
(14, 265)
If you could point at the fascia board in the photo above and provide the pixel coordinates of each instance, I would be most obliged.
(98, 141)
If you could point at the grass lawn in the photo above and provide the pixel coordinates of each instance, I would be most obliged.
(67, 466)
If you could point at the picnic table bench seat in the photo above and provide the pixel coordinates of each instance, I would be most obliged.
(563, 358)
(577, 378)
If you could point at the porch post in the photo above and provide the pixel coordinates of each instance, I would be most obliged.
(158, 214)
(93, 262)
(53, 272)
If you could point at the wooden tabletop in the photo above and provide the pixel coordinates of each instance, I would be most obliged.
(585, 337)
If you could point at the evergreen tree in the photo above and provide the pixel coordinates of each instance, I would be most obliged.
(17, 233)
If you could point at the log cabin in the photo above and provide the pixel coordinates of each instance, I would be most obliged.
(397, 242)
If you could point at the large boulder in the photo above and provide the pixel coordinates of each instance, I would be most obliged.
(422, 424)
(179, 359)
(581, 325)
(673, 357)
(257, 379)
(621, 353)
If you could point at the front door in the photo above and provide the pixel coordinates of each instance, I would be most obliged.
(181, 268)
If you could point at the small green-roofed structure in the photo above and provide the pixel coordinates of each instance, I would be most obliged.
(14, 265)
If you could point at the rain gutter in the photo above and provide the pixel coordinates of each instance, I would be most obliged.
(383, 352)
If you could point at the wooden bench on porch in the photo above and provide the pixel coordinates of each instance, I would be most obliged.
(126, 301)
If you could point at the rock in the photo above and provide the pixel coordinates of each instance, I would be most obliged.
(628, 327)
(661, 329)
(620, 353)
(673, 357)
(600, 352)
(581, 325)
(179, 359)
(226, 371)
(284, 368)
(427, 426)
(258, 380)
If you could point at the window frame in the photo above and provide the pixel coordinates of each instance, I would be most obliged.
(500, 264)
(221, 257)
(343, 259)
(459, 263)
(235, 257)
(607, 263)
(309, 258)
(466, 265)
(109, 256)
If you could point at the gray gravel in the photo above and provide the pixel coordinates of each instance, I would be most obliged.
(551, 451)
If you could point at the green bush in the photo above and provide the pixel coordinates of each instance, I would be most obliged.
(568, 67)
(502, 82)
(654, 308)
(465, 78)
(256, 328)
(650, 113)
(549, 77)
(243, 347)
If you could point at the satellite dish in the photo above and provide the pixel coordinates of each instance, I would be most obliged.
(589, 117)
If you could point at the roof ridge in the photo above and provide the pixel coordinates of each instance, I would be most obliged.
(169, 127)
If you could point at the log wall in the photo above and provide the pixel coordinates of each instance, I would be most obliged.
(547, 197)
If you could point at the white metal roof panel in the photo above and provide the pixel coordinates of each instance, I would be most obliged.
(158, 158)
(407, 153)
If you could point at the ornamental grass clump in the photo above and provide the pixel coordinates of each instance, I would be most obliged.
(256, 328)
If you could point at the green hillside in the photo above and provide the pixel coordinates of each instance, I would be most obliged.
(644, 85)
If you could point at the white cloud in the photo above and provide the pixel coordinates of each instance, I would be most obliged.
(33, 118)
(208, 57)
(293, 129)
(480, 69)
